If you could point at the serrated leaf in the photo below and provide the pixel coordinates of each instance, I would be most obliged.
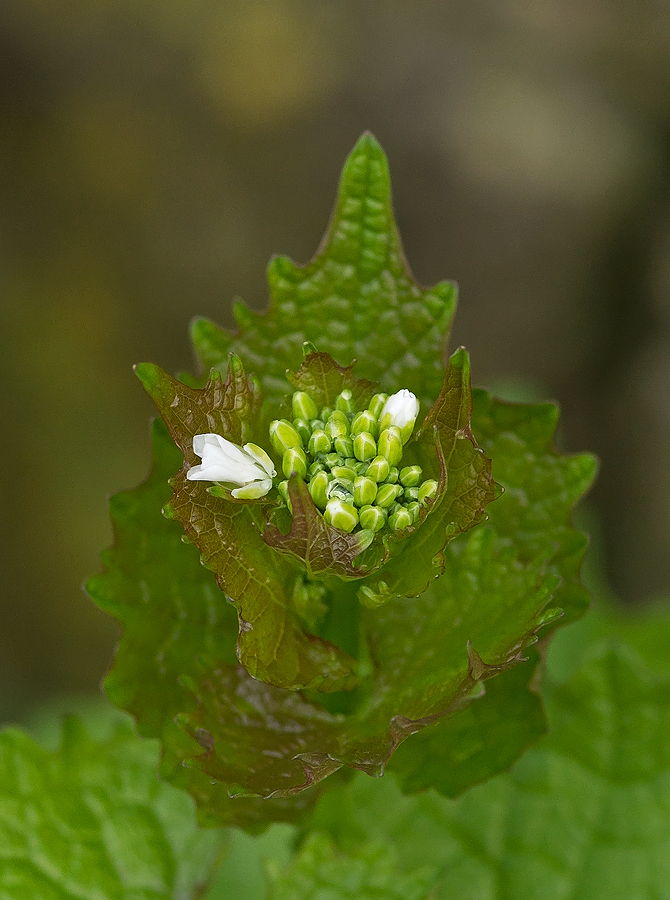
(92, 821)
(356, 300)
(540, 488)
(582, 814)
(271, 645)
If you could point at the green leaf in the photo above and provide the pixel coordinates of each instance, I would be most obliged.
(582, 814)
(271, 645)
(92, 821)
(540, 488)
(356, 300)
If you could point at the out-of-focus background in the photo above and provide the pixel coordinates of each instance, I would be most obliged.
(156, 153)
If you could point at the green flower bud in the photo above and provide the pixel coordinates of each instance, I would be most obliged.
(341, 489)
(387, 494)
(332, 459)
(427, 491)
(413, 508)
(326, 413)
(337, 425)
(283, 436)
(343, 472)
(378, 469)
(376, 405)
(365, 491)
(400, 519)
(303, 406)
(341, 515)
(318, 488)
(372, 518)
(390, 445)
(393, 475)
(317, 424)
(319, 442)
(410, 476)
(411, 493)
(365, 447)
(344, 402)
(365, 421)
(303, 428)
(282, 487)
(316, 467)
(344, 446)
(294, 460)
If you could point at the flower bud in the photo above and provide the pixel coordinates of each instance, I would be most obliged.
(294, 461)
(332, 459)
(378, 469)
(344, 402)
(337, 425)
(282, 487)
(341, 489)
(387, 494)
(364, 421)
(410, 476)
(343, 472)
(284, 436)
(411, 493)
(303, 406)
(325, 413)
(393, 475)
(365, 446)
(318, 487)
(344, 446)
(372, 518)
(390, 445)
(413, 508)
(317, 424)
(376, 405)
(365, 491)
(341, 515)
(400, 519)
(427, 491)
(319, 442)
(303, 428)
(316, 467)
(400, 410)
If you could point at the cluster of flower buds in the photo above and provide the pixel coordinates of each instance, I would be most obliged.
(352, 460)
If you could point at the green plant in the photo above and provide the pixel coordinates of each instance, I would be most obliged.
(374, 607)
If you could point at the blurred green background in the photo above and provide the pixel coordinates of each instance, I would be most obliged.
(156, 153)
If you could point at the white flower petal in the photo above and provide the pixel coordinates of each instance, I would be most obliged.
(222, 460)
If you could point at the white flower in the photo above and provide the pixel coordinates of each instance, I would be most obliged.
(248, 466)
(401, 410)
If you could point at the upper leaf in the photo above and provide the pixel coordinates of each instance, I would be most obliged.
(356, 300)
(92, 821)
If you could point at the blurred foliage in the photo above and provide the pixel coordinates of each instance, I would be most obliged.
(156, 154)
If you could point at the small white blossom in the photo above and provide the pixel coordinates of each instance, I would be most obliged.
(401, 410)
(248, 466)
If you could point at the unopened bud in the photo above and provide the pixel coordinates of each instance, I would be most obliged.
(400, 410)
(284, 436)
(319, 442)
(302, 426)
(365, 491)
(376, 405)
(282, 487)
(427, 491)
(364, 421)
(365, 446)
(372, 517)
(341, 515)
(341, 489)
(344, 446)
(393, 475)
(400, 519)
(378, 469)
(410, 476)
(411, 493)
(387, 494)
(316, 467)
(343, 472)
(337, 425)
(332, 459)
(294, 461)
(303, 406)
(390, 445)
(344, 401)
(318, 487)
(413, 508)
